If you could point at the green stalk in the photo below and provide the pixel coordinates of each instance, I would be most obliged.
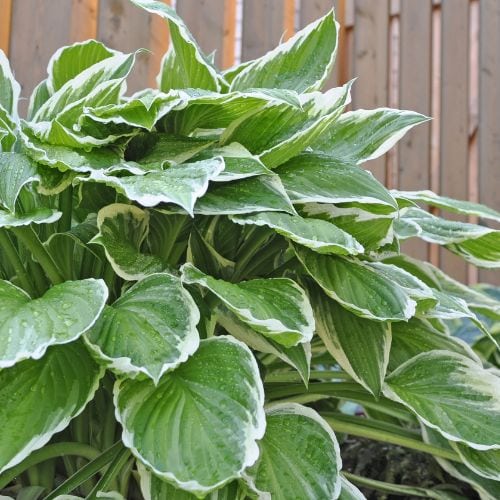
(388, 437)
(13, 257)
(247, 253)
(49, 452)
(27, 236)
(66, 208)
(283, 377)
(86, 472)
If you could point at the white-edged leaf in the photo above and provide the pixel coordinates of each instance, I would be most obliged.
(357, 286)
(484, 463)
(7, 131)
(452, 394)
(299, 456)
(29, 326)
(317, 234)
(348, 491)
(150, 329)
(9, 88)
(313, 178)
(298, 357)
(302, 63)
(39, 398)
(37, 216)
(122, 232)
(360, 346)
(363, 135)
(198, 427)
(275, 307)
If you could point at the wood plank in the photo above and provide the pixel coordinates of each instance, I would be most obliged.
(489, 115)
(262, 27)
(83, 20)
(454, 116)
(37, 32)
(288, 19)
(159, 40)
(205, 20)
(370, 64)
(122, 26)
(5, 23)
(415, 94)
(229, 42)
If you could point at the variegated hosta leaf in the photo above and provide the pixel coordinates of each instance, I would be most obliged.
(150, 329)
(37, 216)
(198, 427)
(452, 394)
(302, 63)
(9, 88)
(487, 489)
(298, 357)
(463, 207)
(16, 170)
(299, 456)
(360, 346)
(64, 313)
(312, 178)
(68, 62)
(358, 287)
(479, 245)
(416, 336)
(7, 131)
(122, 232)
(39, 398)
(264, 193)
(316, 234)
(276, 307)
(184, 66)
(484, 463)
(363, 135)
(178, 184)
(348, 491)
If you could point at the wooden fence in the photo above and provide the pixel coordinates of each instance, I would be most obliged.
(441, 58)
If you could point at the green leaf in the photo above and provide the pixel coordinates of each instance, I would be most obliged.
(277, 308)
(264, 193)
(178, 184)
(358, 287)
(299, 456)
(348, 491)
(298, 357)
(484, 463)
(64, 313)
(39, 95)
(68, 62)
(37, 216)
(198, 427)
(363, 135)
(322, 179)
(9, 88)
(302, 63)
(452, 394)
(39, 398)
(184, 66)
(123, 230)
(7, 131)
(150, 329)
(360, 346)
(456, 206)
(316, 234)
(16, 170)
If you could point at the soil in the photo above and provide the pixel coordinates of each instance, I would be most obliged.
(394, 464)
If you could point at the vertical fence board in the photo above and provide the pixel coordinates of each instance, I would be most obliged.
(158, 44)
(229, 42)
(370, 66)
(489, 115)
(5, 20)
(83, 20)
(124, 27)
(454, 115)
(262, 27)
(415, 94)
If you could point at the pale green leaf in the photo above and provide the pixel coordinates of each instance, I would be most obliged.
(7, 131)
(9, 88)
(122, 232)
(39, 398)
(16, 170)
(39, 95)
(198, 427)
(484, 463)
(277, 307)
(348, 491)
(299, 456)
(363, 135)
(302, 63)
(37, 216)
(29, 326)
(452, 394)
(316, 234)
(150, 329)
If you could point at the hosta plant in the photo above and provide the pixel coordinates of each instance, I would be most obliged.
(202, 290)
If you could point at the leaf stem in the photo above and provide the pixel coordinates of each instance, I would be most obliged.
(14, 259)
(289, 376)
(32, 242)
(66, 208)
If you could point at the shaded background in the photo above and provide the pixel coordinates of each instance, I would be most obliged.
(438, 57)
